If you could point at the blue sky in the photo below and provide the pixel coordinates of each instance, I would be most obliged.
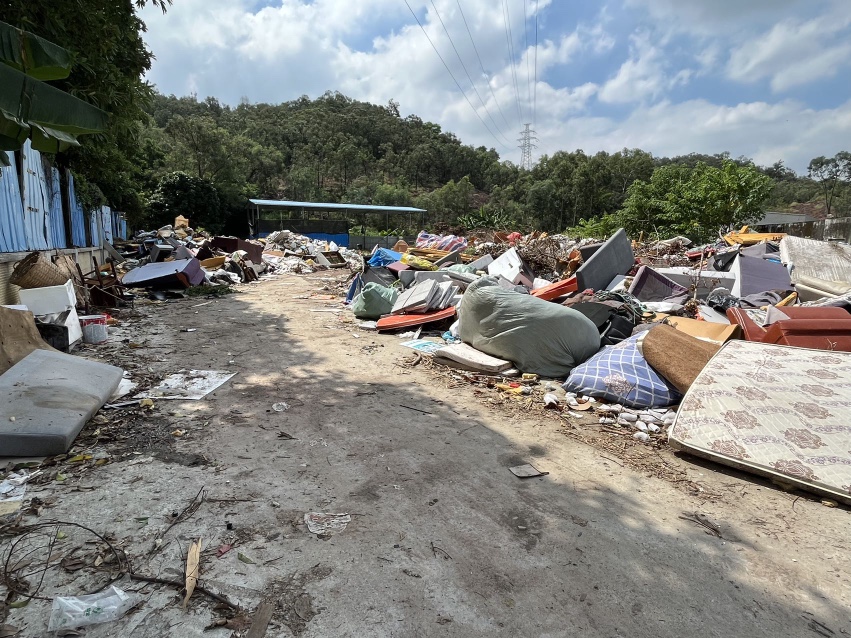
(768, 79)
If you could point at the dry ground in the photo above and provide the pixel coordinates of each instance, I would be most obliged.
(444, 540)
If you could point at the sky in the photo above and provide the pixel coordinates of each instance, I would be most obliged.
(767, 79)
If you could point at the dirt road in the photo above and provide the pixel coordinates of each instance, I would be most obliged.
(443, 539)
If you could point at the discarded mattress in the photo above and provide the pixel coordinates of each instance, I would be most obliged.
(464, 356)
(537, 336)
(181, 273)
(48, 397)
(676, 356)
(829, 261)
(776, 411)
(621, 374)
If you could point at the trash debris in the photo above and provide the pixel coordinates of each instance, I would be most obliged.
(526, 471)
(324, 524)
(193, 569)
(71, 612)
(188, 385)
(281, 406)
(425, 346)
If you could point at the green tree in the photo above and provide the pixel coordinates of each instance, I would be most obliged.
(193, 197)
(830, 173)
(695, 202)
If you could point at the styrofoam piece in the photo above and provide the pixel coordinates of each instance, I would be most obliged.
(49, 300)
(412, 277)
(710, 314)
(48, 397)
(614, 257)
(482, 262)
(511, 266)
(755, 275)
(539, 283)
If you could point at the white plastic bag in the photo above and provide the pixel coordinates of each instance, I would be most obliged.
(70, 612)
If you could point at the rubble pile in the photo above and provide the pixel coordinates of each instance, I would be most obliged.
(285, 251)
(619, 329)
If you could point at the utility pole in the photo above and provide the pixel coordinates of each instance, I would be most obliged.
(526, 139)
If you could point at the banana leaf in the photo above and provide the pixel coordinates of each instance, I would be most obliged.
(50, 117)
(33, 55)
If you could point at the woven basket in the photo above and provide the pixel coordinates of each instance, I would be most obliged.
(37, 271)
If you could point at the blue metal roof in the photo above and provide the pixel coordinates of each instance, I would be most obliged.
(282, 203)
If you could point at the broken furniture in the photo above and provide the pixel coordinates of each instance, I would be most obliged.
(48, 398)
(180, 273)
(613, 258)
(105, 290)
(823, 328)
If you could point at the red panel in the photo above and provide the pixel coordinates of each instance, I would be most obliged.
(406, 321)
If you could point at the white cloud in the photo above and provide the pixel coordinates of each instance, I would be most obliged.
(765, 132)
(716, 16)
(643, 75)
(794, 52)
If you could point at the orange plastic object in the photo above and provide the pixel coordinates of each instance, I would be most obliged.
(406, 321)
(555, 290)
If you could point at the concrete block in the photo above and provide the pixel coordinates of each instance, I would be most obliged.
(50, 396)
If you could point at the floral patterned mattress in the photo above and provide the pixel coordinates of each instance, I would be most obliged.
(777, 411)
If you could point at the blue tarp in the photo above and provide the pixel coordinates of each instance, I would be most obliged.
(36, 200)
(12, 235)
(384, 257)
(57, 220)
(78, 218)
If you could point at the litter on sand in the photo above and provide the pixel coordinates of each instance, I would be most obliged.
(526, 471)
(324, 524)
(188, 385)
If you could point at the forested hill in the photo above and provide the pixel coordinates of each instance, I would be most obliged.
(337, 149)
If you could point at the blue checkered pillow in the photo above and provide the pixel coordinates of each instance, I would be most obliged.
(620, 374)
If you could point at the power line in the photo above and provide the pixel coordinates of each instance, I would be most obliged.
(509, 37)
(526, 40)
(535, 86)
(463, 66)
(485, 73)
(452, 75)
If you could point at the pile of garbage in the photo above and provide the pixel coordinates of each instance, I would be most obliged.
(194, 258)
(624, 329)
(285, 252)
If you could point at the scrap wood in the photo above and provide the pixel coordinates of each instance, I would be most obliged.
(260, 620)
(181, 586)
(187, 512)
(704, 521)
(193, 569)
